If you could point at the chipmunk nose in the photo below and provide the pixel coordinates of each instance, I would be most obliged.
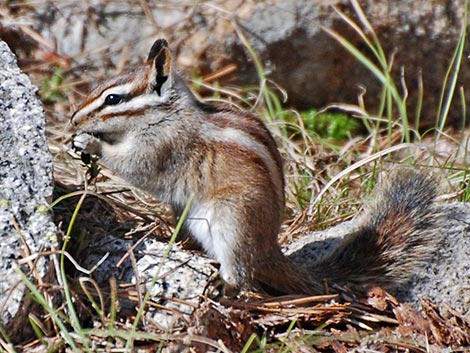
(71, 127)
(72, 124)
(78, 118)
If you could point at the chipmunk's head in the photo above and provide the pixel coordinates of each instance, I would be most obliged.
(129, 95)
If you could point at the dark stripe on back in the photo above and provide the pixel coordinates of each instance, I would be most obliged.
(252, 126)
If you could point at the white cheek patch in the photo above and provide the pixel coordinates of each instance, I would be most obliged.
(120, 149)
(135, 103)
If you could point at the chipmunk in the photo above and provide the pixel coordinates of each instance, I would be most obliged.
(147, 127)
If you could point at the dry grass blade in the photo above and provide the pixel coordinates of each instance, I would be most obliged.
(353, 167)
(275, 312)
(297, 300)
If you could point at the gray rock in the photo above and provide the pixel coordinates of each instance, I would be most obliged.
(447, 279)
(25, 188)
(183, 278)
(176, 278)
(105, 31)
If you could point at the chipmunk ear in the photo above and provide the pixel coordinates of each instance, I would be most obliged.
(160, 59)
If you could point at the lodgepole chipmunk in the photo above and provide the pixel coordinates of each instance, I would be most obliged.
(147, 127)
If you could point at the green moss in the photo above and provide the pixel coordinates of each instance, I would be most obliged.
(331, 126)
(337, 126)
(51, 88)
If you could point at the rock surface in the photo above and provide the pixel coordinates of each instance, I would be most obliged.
(176, 278)
(297, 54)
(25, 188)
(447, 279)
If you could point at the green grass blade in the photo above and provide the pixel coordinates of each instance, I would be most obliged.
(248, 343)
(452, 73)
(74, 320)
(463, 102)
(384, 78)
(42, 301)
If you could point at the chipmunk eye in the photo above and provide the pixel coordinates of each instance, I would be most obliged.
(113, 99)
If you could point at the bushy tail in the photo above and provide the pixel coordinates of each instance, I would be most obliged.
(398, 230)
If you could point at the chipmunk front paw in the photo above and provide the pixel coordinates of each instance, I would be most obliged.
(87, 144)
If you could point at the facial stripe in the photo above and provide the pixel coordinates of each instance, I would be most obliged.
(135, 97)
(137, 102)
